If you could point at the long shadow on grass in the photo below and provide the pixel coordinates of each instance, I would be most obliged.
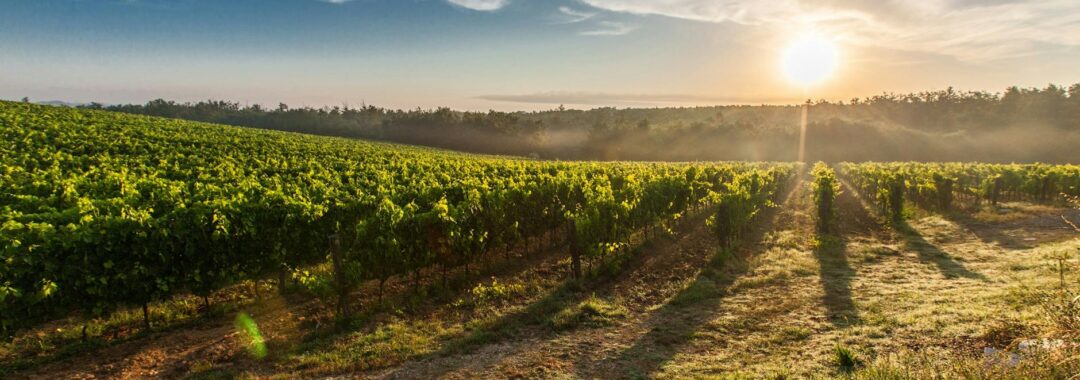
(1038, 226)
(836, 273)
(507, 327)
(537, 320)
(914, 240)
(676, 323)
(928, 252)
(985, 231)
(836, 276)
(405, 320)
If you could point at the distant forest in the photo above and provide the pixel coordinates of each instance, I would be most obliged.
(1017, 125)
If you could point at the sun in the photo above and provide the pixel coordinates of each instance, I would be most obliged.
(810, 59)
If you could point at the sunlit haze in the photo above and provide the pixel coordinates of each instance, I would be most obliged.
(526, 55)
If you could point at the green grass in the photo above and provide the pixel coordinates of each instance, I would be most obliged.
(904, 296)
(386, 345)
(944, 365)
(592, 312)
(702, 288)
(845, 359)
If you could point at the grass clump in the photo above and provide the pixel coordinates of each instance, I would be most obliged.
(591, 312)
(700, 289)
(845, 359)
(382, 347)
(492, 294)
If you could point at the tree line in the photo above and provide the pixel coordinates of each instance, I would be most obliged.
(1019, 124)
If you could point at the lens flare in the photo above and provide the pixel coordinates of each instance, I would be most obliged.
(250, 335)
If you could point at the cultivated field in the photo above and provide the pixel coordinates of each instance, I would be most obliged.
(138, 247)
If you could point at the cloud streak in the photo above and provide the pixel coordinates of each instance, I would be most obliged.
(600, 98)
(610, 28)
(569, 15)
(480, 5)
(964, 29)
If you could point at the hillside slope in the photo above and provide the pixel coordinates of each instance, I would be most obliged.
(106, 217)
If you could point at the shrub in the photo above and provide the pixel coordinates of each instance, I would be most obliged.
(825, 188)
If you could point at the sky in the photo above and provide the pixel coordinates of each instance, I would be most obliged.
(522, 54)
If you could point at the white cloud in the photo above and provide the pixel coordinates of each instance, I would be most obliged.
(610, 28)
(480, 5)
(335, 1)
(569, 15)
(964, 29)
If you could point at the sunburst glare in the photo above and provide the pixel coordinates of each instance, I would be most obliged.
(810, 59)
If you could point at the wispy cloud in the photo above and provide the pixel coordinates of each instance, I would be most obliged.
(610, 28)
(964, 29)
(569, 15)
(335, 1)
(480, 5)
(156, 4)
(600, 98)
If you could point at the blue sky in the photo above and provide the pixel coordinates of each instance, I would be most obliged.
(520, 54)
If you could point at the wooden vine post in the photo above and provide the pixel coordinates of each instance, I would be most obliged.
(339, 277)
(575, 251)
